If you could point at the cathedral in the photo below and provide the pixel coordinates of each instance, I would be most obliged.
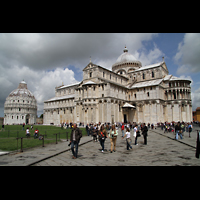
(129, 93)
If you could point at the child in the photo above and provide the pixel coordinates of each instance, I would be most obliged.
(27, 132)
(128, 138)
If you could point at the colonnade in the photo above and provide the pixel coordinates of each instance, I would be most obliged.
(177, 93)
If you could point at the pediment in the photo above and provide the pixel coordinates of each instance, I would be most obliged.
(89, 66)
(165, 66)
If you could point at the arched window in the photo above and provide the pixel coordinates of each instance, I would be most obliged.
(143, 75)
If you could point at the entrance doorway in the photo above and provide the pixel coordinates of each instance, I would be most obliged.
(125, 118)
(112, 119)
(27, 119)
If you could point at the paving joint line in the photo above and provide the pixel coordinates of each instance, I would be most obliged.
(51, 156)
(174, 139)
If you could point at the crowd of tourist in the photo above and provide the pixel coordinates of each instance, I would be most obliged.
(100, 132)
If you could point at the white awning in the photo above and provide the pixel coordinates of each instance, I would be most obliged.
(127, 105)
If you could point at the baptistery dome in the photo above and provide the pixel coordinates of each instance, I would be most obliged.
(22, 91)
(126, 63)
(20, 106)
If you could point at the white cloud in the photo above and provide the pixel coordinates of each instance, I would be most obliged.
(41, 84)
(187, 56)
(42, 59)
(195, 99)
(188, 78)
(153, 56)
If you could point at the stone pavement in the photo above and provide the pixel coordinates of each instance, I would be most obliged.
(33, 155)
(190, 141)
(159, 151)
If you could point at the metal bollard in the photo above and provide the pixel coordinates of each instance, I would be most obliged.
(43, 141)
(67, 135)
(17, 143)
(56, 137)
(21, 144)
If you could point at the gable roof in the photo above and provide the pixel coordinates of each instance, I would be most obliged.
(149, 66)
(147, 83)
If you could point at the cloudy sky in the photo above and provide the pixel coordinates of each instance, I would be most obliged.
(45, 60)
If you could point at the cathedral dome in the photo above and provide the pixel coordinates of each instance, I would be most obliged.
(125, 57)
(125, 61)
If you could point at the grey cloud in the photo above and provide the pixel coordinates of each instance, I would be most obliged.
(188, 53)
(32, 56)
(45, 51)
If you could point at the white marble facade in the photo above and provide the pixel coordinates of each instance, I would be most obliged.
(20, 106)
(153, 95)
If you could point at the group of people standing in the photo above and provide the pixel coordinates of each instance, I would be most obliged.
(178, 128)
(136, 133)
(102, 132)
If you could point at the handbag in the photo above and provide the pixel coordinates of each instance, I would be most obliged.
(102, 136)
(138, 134)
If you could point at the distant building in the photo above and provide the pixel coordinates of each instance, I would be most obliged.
(39, 120)
(1, 121)
(196, 114)
(20, 106)
(129, 93)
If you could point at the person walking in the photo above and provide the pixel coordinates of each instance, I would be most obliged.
(23, 126)
(102, 136)
(2, 129)
(128, 138)
(76, 135)
(113, 138)
(178, 131)
(136, 134)
(28, 132)
(87, 129)
(122, 128)
(36, 133)
(190, 129)
(144, 133)
(94, 133)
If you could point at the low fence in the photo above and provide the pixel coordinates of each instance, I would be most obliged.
(30, 142)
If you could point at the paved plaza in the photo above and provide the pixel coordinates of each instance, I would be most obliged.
(161, 150)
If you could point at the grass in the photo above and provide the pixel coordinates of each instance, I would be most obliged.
(8, 141)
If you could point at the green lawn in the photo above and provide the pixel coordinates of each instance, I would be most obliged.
(8, 141)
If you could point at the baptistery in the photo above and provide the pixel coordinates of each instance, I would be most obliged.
(20, 106)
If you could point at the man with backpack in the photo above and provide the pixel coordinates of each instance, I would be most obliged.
(190, 128)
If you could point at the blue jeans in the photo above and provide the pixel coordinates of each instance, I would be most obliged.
(122, 133)
(102, 143)
(177, 133)
(128, 142)
(72, 148)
